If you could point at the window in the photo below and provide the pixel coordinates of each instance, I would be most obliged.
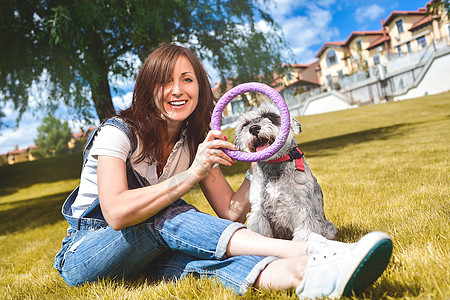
(408, 44)
(399, 24)
(340, 74)
(422, 42)
(359, 44)
(329, 81)
(376, 59)
(331, 58)
(399, 49)
(237, 106)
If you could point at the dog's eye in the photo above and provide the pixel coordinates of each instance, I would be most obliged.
(273, 118)
(246, 124)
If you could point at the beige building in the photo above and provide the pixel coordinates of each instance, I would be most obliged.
(402, 32)
(20, 155)
(332, 63)
(411, 31)
(300, 76)
(79, 139)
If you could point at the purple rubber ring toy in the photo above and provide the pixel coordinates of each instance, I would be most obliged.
(282, 108)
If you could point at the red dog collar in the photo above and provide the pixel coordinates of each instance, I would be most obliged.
(295, 154)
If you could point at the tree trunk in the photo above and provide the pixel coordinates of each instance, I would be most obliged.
(101, 95)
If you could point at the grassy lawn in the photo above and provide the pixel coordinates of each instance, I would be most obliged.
(383, 167)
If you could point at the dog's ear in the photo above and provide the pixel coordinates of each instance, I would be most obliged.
(296, 126)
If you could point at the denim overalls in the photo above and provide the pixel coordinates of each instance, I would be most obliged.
(185, 241)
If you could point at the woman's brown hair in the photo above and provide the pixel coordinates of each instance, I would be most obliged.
(145, 118)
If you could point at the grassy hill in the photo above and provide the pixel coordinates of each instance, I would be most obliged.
(383, 167)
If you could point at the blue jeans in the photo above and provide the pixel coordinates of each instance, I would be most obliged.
(178, 241)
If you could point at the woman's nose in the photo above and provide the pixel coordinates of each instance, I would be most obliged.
(176, 89)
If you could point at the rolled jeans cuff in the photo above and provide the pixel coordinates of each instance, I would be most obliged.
(254, 273)
(222, 245)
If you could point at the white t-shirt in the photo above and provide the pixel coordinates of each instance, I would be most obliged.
(111, 141)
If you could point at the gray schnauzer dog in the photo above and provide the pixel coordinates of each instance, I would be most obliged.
(286, 200)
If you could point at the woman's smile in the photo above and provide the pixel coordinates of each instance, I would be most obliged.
(178, 104)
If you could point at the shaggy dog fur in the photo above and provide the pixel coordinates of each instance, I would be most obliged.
(285, 203)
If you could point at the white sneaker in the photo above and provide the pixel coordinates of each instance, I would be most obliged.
(337, 274)
(318, 243)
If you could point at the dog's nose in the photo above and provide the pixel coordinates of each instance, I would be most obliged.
(254, 129)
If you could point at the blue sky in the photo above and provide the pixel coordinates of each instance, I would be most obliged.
(306, 25)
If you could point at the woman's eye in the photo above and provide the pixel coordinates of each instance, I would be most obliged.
(187, 80)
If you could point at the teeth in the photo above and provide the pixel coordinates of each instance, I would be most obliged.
(177, 103)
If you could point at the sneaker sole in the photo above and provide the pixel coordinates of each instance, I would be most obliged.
(370, 268)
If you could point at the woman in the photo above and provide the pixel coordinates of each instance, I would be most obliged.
(127, 210)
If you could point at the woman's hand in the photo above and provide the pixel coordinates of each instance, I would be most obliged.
(209, 153)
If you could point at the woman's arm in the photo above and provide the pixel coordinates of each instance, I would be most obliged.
(122, 207)
(226, 203)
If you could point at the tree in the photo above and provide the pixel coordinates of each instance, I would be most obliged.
(53, 136)
(76, 48)
(435, 7)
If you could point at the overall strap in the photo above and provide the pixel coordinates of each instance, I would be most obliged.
(117, 122)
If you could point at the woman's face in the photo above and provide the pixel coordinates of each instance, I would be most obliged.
(180, 94)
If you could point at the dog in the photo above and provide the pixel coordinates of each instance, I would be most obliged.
(286, 199)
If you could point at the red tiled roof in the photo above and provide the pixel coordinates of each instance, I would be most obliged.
(78, 134)
(15, 152)
(298, 65)
(361, 33)
(423, 22)
(329, 44)
(81, 134)
(18, 151)
(348, 40)
(392, 15)
(307, 75)
(378, 42)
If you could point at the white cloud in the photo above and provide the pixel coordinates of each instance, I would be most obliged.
(22, 137)
(305, 26)
(371, 12)
(280, 9)
(122, 102)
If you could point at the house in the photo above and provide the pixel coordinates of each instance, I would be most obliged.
(332, 64)
(298, 76)
(411, 31)
(79, 139)
(300, 79)
(355, 54)
(359, 58)
(20, 155)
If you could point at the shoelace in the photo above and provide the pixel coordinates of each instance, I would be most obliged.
(323, 256)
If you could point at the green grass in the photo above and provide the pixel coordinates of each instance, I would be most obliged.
(383, 167)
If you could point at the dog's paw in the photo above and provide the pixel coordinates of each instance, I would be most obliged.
(329, 230)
